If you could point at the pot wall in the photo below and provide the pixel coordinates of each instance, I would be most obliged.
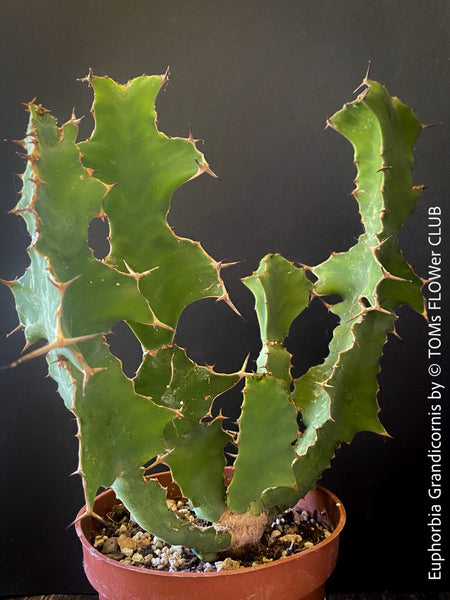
(301, 576)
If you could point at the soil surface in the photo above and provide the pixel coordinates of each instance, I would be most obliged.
(123, 540)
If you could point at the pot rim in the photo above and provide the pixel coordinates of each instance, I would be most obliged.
(99, 556)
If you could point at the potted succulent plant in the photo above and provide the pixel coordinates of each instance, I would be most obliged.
(126, 173)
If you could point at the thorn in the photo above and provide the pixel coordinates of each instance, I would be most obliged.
(394, 332)
(205, 168)
(191, 136)
(28, 104)
(159, 460)
(165, 77)
(108, 186)
(226, 298)
(88, 78)
(387, 275)
(57, 343)
(243, 370)
(31, 157)
(223, 265)
(365, 80)
(324, 385)
(21, 143)
(9, 284)
(138, 277)
(328, 306)
(380, 244)
(19, 327)
(73, 118)
(88, 371)
(62, 287)
(430, 125)
(384, 168)
(88, 513)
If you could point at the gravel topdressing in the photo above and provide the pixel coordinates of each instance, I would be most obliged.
(123, 540)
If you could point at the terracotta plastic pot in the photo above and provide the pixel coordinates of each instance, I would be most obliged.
(296, 577)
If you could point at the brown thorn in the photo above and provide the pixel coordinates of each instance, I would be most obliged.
(223, 265)
(191, 137)
(387, 275)
(19, 327)
(205, 168)
(365, 79)
(131, 273)
(87, 78)
(89, 513)
(165, 77)
(397, 335)
(21, 143)
(74, 119)
(429, 126)
(8, 283)
(30, 103)
(57, 343)
(62, 287)
(226, 298)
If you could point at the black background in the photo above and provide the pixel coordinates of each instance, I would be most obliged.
(256, 80)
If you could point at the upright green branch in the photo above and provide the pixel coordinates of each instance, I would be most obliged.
(126, 173)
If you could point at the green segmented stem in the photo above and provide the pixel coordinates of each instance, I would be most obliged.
(126, 173)
(338, 397)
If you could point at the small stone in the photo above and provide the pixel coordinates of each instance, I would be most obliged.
(292, 529)
(308, 545)
(110, 546)
(228, 564)
(128, 552)
(300, 517)
(274, 535)
(126, 542)
(142, 540)
(291, 538)
(137, 558)
(99, 540)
